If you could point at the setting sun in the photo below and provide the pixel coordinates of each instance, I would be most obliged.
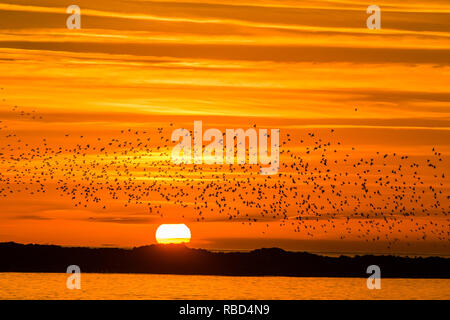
(173, 233)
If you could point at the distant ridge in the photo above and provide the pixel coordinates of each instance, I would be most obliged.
(179, 259)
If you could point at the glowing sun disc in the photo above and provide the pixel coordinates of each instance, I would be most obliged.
(173, 233)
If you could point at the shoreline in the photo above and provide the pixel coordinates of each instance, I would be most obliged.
(216, 275)
(181, 260)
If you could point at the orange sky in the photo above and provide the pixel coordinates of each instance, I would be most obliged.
(300, 66)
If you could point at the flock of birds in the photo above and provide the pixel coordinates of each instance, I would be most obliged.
(377, 196)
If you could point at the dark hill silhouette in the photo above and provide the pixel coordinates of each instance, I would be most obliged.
(179, 259)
